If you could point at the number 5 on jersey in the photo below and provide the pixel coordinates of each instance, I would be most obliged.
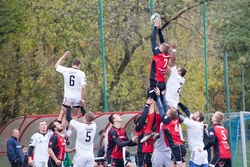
(88, 136)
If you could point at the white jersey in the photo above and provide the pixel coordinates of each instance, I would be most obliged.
(85, 134)
(40, 142)
(173, 87)
(195, 133)
(73, 80)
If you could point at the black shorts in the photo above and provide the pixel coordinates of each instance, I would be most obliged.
(221, 162)
(178, 154)
(144, 159)
(52, 163)
(115, 162)
(154, 84)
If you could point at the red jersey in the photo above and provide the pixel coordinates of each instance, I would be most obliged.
(57, 144)
(147, 146)
(171, 133)
(113, 150)
(221, 147)
(158, 67)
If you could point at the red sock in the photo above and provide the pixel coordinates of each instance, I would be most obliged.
(158, 123)
(151, 118)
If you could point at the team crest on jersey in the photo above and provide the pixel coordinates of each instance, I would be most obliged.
(113, 136)
(50, 143)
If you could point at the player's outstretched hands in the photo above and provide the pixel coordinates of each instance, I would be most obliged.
(174, 45)
(157, 91)
(66, 53)
(157, 23)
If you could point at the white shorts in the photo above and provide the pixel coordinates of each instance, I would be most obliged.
(40, 164)
(161, 159)
(84, 159)
(74, 102)
(199, 157)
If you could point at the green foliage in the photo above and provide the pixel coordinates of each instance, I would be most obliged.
(232, 27)
(34, 35)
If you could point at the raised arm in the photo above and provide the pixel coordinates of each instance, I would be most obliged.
(142, 119)
(68, 114)
(185, 109)
(62, 58)
(173, 54)
(161, 36)
(164, 102)
(83, 111)
(155, 48)
(144, 114)
(164, 119)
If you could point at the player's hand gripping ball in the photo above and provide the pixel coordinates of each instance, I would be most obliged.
(154, 17)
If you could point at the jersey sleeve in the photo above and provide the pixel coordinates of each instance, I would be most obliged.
(75, 124)
(53, 141)
(155, 48)
(211, 138)
(49, 134)
(83, 80)
(33, 140)
(174, 70)
(189, 122)
(114, 136)
(61, 69)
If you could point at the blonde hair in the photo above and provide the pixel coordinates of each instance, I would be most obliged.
(219, 117)
(165, 47)
(89, 117)
(172, 113)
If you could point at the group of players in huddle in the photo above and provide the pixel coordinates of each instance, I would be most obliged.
(157, 133)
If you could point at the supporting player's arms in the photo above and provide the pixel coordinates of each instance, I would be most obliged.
(142, 119)
(164, 119)
(164, 103)
(68, 114)
(83, 110)
(180, 116)
(185, 109)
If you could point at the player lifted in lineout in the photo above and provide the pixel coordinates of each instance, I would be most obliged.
(158, 68)
(74, 86)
